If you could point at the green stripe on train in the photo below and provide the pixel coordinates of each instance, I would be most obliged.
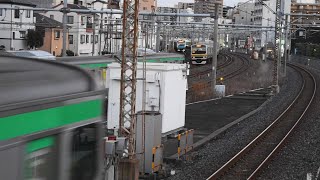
(40, 144)
(31, 122)
(165, 59)
(103, 65)
(94, 66)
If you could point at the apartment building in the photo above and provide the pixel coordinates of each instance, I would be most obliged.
(264, 17)
(147, 5)
(81, 32)
(15, 24)
(207, 7)
(305, 7)
(243, 14)
(183, 5)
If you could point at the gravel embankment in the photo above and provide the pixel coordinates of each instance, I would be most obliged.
(258, 75)
(301, 155)
(214, 154)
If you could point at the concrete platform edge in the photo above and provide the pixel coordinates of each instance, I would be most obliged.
(219, 131)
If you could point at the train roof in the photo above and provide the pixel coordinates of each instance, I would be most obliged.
(24, 80)
(165, 55)
(78, 60)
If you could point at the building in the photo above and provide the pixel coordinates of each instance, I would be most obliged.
(243, 14)
(15, 24)
(167, 10)
(52, 32)
(182, 5)
(111, 32)
(207, 7)
(226, 10)
(174, 19)
(114, 4)
(83, 30)
(305, 7)
(147, 5)
(264, 17)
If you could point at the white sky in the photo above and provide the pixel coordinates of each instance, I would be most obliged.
(171, 3)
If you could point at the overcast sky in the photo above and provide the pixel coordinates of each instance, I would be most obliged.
(170, 3)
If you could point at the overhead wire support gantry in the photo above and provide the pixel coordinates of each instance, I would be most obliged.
(129, 73)
(277, 55)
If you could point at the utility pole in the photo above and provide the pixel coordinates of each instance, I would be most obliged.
(64, 43)
(11, 29)
(158, 37)
(215, 47)
(94, 33)
(100, 33)
(128, 86)
(285, 44)
(276, 60)
(167, 39)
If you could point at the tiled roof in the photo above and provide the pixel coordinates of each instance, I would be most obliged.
(46, 22)
(72, 6)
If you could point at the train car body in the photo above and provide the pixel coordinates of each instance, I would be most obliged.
(181, 45)
(97, 65)
(51, 117)
(202, 53)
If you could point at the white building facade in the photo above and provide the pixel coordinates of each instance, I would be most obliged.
(83, 30)
(15, 24)
(265, 17)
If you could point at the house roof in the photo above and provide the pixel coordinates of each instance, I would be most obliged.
(100, 1)
(46, 22)
(18, 2)
(71, 6)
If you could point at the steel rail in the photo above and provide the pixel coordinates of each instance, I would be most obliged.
(228, 62)
(262, 135)
(244, 67)
(277, 148)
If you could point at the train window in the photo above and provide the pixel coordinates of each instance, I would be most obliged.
(40, 159)
(84, 153)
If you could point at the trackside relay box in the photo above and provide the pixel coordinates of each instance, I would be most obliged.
(166, 86)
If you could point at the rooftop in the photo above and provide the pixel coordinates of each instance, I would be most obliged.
(46, 22)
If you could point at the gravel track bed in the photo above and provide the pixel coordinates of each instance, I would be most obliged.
(300, 155)
(196, 91)
(257, 76)
(215, 153)
(236, 64)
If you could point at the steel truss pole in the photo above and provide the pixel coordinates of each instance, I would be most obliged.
(129, 73)
(215, 47)
(64, 41)
(275, 81)
(285, 44)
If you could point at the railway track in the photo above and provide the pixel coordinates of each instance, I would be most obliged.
(200, 71)
(205, 79)
(243, 67)
(257, 154)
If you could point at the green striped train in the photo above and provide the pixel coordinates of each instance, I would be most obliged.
(51, 117)
(97, 65)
